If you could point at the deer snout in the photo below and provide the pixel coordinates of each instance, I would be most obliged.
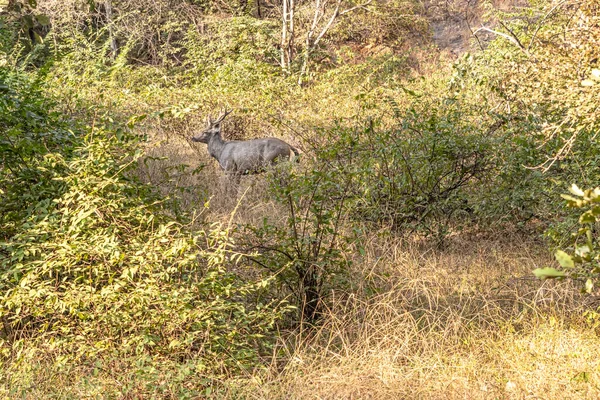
(200, 137)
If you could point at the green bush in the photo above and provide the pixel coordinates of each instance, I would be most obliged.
(422, 175)
(581, 260)
(306, 253)
(91, 262)
(241, 50)
(546, 99)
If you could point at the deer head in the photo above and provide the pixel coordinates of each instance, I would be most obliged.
(213, 128)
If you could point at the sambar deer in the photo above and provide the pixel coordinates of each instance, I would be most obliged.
(241, 157)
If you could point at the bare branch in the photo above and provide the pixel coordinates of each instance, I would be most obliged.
(363, 6)
(326, 27)
(469, 24)
(512, 38)
(336, 14)
(513, 35)
(559, 4)
(310, 44)
(560, 154)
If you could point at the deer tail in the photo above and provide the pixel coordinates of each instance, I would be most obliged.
(296, 154)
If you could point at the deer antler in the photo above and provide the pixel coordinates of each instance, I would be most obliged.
(222, 116)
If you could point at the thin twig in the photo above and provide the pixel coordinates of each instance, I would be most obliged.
(469, 25)
(544, 18)
(512, 39)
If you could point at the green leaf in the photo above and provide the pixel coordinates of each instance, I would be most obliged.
(564, 259)
(573, 202)
(28, 20)
(576, 191)
(582, 250)
(38, 38)
(43, 19)
(589, 286)
(548, 273)
(587, 218)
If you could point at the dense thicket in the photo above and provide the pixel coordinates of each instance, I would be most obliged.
(102, 257)
(91, 263)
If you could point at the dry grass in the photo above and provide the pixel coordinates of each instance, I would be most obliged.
(466, 322)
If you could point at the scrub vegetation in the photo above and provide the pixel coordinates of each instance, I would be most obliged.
(437, 238)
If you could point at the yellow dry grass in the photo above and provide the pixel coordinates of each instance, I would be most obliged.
(467, 322)
(464, 322)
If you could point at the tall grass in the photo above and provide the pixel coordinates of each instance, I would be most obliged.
(463, 322)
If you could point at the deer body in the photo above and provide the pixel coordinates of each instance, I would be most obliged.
(241, 157)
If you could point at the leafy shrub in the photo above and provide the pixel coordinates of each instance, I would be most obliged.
(419, 176)
(538, 77)
(147, 32)
(306, 253)
(581, 261)
(423, 171)
(243, 47)
(29, 131)
(92, 264)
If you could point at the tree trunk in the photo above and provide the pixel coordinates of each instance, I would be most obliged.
(109, 20)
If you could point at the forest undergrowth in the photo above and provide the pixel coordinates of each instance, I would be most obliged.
(465, 321)
(395, 260)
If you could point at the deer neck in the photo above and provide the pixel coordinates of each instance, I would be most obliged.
(215, 146)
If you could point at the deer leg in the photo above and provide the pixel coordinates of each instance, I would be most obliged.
(232, 184)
